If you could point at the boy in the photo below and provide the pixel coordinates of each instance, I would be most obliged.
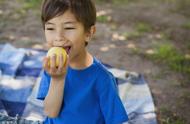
(83, 91)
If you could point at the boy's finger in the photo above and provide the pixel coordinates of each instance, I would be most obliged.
(45, 62)
(53, 63)
(61, 64)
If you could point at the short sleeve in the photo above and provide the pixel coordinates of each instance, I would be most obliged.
(44, 86)
(110, 102)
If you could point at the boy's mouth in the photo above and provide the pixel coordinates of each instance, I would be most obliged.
(67, 49)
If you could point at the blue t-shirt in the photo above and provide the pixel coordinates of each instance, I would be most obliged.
(90, 97)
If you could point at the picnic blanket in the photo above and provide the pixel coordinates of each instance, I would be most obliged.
(20, 71)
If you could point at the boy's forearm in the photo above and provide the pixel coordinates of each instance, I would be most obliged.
(54, 98)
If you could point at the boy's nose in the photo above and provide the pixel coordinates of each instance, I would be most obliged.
(60, 40)
(59, 35)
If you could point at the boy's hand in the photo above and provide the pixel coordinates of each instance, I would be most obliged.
(53, 70)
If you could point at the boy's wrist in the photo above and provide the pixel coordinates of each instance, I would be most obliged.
(58, 79)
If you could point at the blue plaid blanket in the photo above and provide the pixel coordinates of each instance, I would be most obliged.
(20, 71)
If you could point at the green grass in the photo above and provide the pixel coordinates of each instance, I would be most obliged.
(2, 1)
(167, 54)
(30, 4)
(188, 45)
(186, 26)
(186, 96)
(170, 117)
(180, 6)
(183, 6)
(132, 35)
(140, 29)
(165, 36)
(103, 18)
(183, 99)
(143, 27)
(27, 5)
(113, 26)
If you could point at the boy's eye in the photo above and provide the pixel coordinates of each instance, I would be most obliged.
(49, 28)
(69, 28)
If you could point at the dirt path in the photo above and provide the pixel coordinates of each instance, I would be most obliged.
(113, 46)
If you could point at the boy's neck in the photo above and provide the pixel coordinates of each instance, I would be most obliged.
(83, 61)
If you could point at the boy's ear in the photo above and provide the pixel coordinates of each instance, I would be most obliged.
(90, 33)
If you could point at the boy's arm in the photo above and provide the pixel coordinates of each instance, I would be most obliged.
(53, 100)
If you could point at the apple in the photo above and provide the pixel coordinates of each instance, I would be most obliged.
(57, 51)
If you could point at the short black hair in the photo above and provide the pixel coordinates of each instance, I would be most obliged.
(84, 11)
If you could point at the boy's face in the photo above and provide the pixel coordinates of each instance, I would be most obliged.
(65, 31)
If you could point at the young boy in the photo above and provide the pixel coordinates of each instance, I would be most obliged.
(83, 91)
